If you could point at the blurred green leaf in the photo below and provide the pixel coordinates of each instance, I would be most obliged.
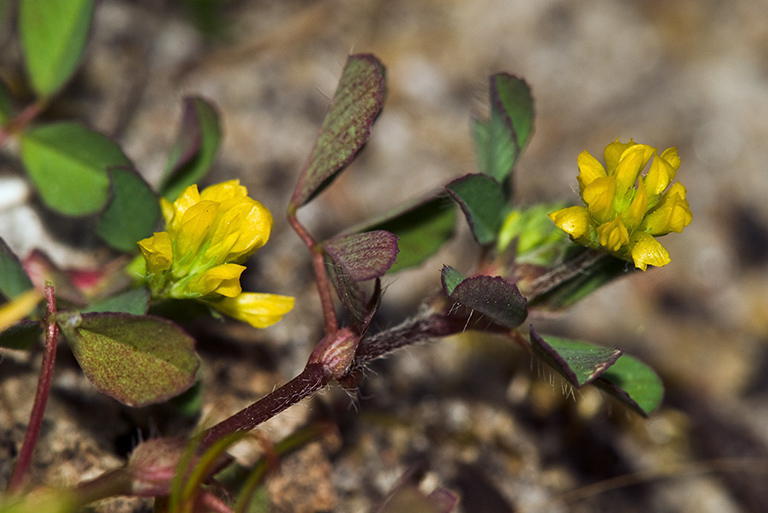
(500, 139)
(633, 383)
(492, 296)
(53, 36)
(483, 203)
(6, 104)
(539, 240)
(42, 269)
(138, 360)
(513, 96)
(132, 301)
(68, 164)
(194, 151)
(132, 211)
(421, 227)
(347, 125)
(578, 362)
(13, 278)
(21, 335)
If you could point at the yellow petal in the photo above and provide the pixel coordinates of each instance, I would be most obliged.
(633, 215)
(672, 214)
(193, 231)
(19, 307)
(224, 191)
(632, 161)
(599, 196)
(222, 279)
(660, 175)
(158, 252)
(167, 209)
(647, 251)
(613, 234)
(186, 199)
(612, 153)
(242, 227)
(589, 169)
(670, 155)
(573, 220)
(257, 309)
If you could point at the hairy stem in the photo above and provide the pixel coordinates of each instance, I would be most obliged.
(41, 396)
(311, 379)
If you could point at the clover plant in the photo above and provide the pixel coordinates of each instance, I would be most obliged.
(183, 244)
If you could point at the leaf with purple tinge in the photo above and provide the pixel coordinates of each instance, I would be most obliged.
(347, 125)
(359, 257)
(195, 148)
(364, 256)
(138, 360)
(483, 202)
(579, 362)
(421, 226)
(492, 296)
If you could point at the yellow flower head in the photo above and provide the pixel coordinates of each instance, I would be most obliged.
(208, 237)
(624, 210)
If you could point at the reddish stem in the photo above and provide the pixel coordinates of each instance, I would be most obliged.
(22, 119)
(321, 275)
(41, 396)
(311, 379)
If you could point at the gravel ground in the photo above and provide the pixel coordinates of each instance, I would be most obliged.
(477, 415)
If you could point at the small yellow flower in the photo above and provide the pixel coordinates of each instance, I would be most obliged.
(624, 210)
(208, 237)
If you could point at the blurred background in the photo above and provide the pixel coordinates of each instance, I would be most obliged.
(482, 417)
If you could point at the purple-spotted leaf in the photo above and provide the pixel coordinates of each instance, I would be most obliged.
(482, 200)
(347, 125)
(350, 293)
(579, 362)
(421, 227)
(195, 148)
(13, 278)
(633, 383)
(500, 139)
(132, 211)
(492, 296)
(138, 360)
(352, 296)
(68, 165)
(364, 256)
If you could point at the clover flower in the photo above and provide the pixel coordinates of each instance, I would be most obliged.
(625, 211)
(209, 235)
